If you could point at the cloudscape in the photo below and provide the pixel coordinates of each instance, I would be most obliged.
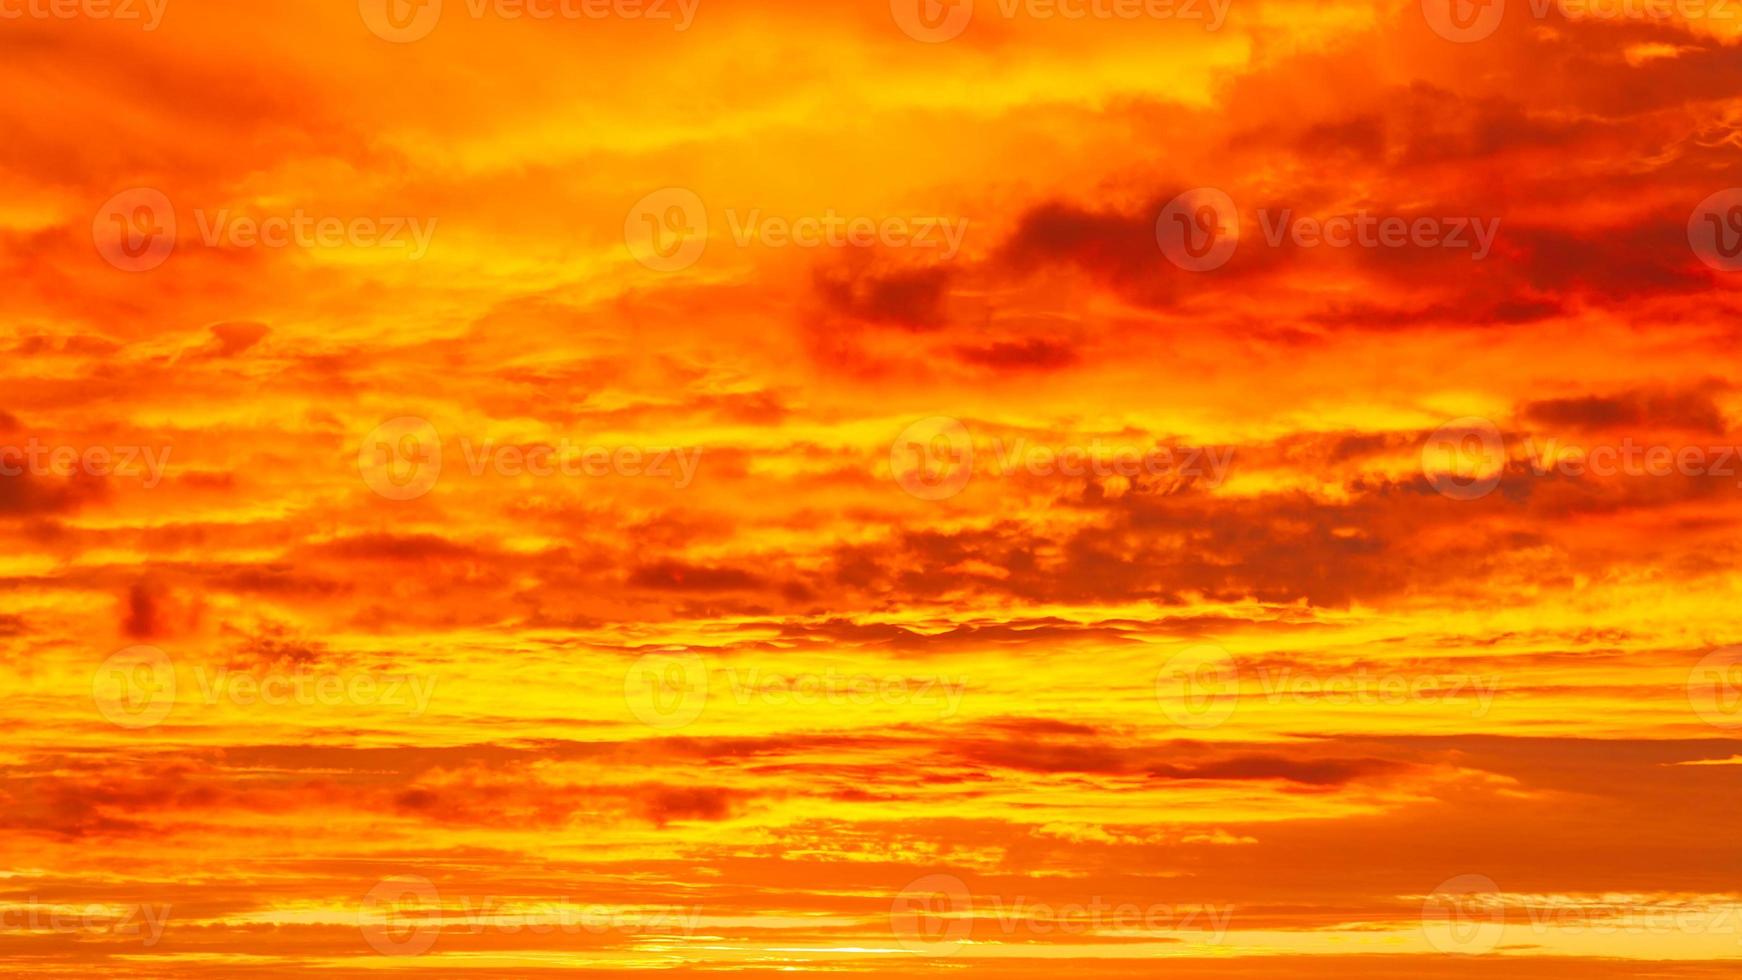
(964, 488)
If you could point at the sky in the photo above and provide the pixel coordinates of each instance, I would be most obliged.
(886, 489)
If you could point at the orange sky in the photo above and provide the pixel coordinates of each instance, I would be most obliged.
(1211, 489)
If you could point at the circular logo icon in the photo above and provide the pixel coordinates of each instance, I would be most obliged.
(135, 687)
(933, 459)
(1199, 230)
(932, 21)
(1464, 915)
(401, 916)
(400, 21)
(667, 230)
(1715, 688)
(401, 459)
(1465, 458)
(1715, 230)
(667, 690)
(134, 231)
(1463, 21)
(933, 915)
(1198, 687)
